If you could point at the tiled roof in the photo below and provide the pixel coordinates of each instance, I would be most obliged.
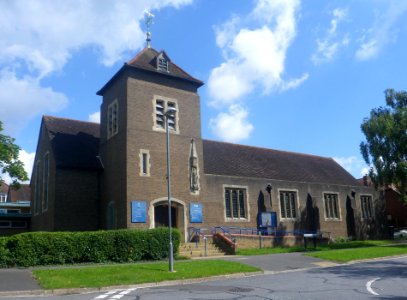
(21, 194)
(245, 161)
(146, 60)
(75, 144)
(3, 188)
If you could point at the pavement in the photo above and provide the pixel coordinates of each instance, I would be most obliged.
(20, 281)
(281, 262)
(17, 280)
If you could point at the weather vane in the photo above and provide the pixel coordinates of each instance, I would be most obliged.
(148, 17)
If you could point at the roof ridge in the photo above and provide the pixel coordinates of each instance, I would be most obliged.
(139, 54)
(69, 119)
(270, 149)
(186, 73)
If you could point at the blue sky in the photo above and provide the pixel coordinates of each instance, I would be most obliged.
(284, 74)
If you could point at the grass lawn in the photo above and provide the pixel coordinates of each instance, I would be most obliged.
(342, 245)
(345, 255)
(99, 276)
(273, 250)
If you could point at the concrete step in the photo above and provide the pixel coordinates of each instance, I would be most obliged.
(200, 253)
(200, 246)
(191, 250)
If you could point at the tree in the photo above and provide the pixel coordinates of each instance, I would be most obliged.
(385, 148)
(9, 162)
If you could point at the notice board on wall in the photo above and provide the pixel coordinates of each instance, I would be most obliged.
(138, 212)
(195, 212)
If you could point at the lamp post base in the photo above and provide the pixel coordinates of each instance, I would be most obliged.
(171, 258)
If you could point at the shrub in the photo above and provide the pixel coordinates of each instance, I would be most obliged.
(158, 246)
(41, 248)
(5, 258)
(126, 245)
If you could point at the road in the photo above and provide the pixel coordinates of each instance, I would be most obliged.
(381, 279)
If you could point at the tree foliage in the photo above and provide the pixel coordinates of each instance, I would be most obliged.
(385, 149)
(9, 162)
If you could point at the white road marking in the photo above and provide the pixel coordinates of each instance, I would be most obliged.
(125, 292)
(369, 286)
(105, 295)
(112, 296)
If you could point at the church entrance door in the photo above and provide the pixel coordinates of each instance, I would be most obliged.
(161, 216)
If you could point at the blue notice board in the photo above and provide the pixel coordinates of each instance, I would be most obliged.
(138, 211)
(268, 219)
(195, 212)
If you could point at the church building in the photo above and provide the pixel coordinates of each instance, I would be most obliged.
(88, 176)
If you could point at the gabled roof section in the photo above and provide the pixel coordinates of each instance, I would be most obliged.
(75, 144)
(146, 60)
(3, 188)
(23, 193)
(245, 161)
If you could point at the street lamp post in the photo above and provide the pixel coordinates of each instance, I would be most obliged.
(169, 113)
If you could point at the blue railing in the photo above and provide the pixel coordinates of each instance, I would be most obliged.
(195, 232)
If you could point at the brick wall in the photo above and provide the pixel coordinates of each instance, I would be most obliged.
(396, 209)
(113, 155)
(309, 195)
(141, 135)
(44, 220)
(77, 206)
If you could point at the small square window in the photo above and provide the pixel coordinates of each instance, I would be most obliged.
(288, 204)
(159, 113)
(161, 106)
(5, 224)
(113, 119)
(3, 197)
(162, 63)
(235, 203)
(367, 207)
(331, 206)
(45, 183)
(144, 162)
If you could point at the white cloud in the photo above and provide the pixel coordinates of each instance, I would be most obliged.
(28, 160)
(37, 39)
(233, 125)
(382, 32)
(23, 99)
(254, 57)
(329, 45)
(353, 165)
(294, 83)
(338, 15)
(46, 33)
(95, 117)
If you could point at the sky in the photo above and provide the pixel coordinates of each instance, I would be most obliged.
(290, 75)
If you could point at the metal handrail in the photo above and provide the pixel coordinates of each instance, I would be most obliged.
(229, 231)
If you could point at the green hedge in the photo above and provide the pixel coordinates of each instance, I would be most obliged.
(4, 253)
(46, 248)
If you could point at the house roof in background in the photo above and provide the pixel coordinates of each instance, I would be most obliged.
(23, 193)
(75, 144)
(246, 161)
(4, 188)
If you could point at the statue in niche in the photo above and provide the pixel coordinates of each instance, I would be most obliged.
(193, 168)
